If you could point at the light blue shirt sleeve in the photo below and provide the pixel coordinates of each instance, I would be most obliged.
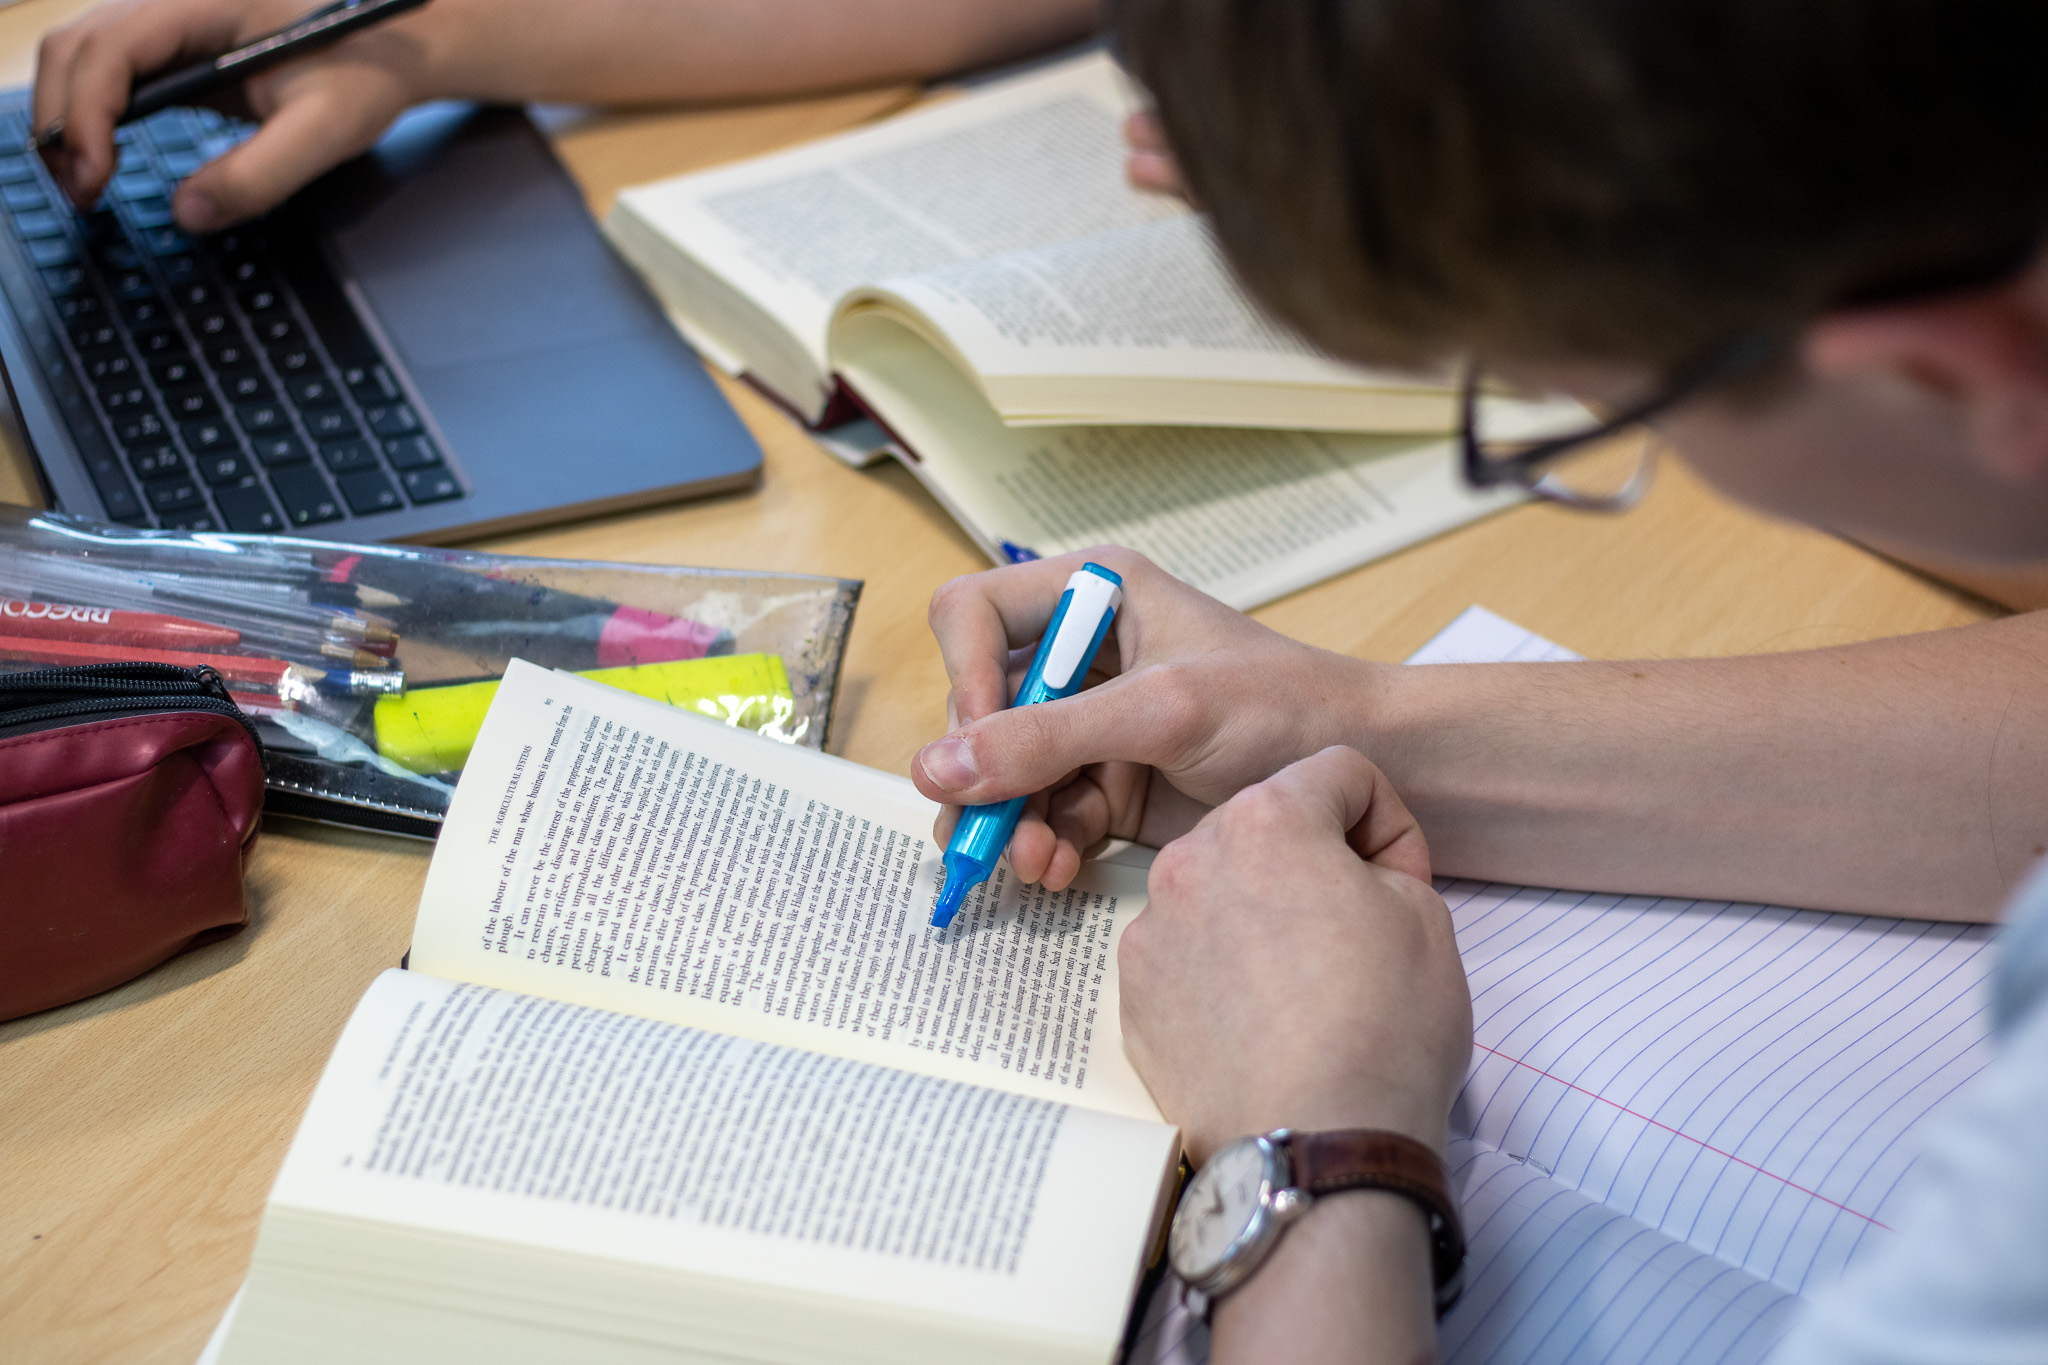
(1966, 1278)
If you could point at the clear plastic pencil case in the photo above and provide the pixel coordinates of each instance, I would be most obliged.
(368, 667)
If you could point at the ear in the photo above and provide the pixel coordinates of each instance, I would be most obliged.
(1986, 353)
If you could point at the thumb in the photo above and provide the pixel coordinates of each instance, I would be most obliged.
(1140, 717)
(1345, 787)
(322, 122)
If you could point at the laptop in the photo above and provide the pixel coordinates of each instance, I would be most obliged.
(430, 344)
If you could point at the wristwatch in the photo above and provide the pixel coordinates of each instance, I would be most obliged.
(1233, 1212)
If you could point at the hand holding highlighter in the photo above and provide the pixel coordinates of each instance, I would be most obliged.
(1064, 656)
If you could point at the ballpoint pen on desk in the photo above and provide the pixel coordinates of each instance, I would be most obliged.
(193, 84)
(1082, 618)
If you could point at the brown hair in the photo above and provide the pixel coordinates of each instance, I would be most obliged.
(1631, 179)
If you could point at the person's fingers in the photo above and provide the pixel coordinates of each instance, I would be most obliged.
(85, 73)
(1145, 133)
(1149, 717)
(1340, 791)
(322, 120)
(978, 619)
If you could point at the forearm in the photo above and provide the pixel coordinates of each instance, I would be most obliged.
(1899, 777)
(1349, 1283)
(627, 51)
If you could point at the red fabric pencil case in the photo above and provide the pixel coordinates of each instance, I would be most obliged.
(129, 796)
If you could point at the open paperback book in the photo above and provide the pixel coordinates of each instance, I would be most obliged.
(1061, 359)
(680, 1073)
(1681, 1116)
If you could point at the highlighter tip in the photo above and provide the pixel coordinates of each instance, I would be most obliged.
(949, 901)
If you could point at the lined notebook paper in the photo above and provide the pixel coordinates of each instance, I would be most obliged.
(1681, 1115)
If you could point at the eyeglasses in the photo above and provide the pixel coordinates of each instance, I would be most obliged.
(1505, 441)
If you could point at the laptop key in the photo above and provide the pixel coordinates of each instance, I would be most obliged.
(194, 294)
(261, 299)
(369, 383)
(396, 419)
(261, 419)
(190, 405)
(172, 496)
(95, 336)
(117, 400)
(151, 215)
(129, 281)
(369, 491)
(191, 521)
(53, 251)
(227, 467)
(210, 323)
(161, 341)
(159, 460)
(116, 368)
(411, 452)
(179, 269)
(313, 391)
(305, 495)
(229, 355)
(346, 457)
(294, 360)
(22, 195)
(146, 311)
(248, 509)
(280, 450)
(31, 223)
(331, 424)
(176, 371)
(64, 280)
(276, 330)
(140, 429)
(246, 386)
(81, 308)
(15, 169)
(207, 438)
(430, 485)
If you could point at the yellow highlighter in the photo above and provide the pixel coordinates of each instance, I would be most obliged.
(431, 729)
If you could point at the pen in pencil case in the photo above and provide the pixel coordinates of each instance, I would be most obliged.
(42, 575)
(491, 618)
(69, 621)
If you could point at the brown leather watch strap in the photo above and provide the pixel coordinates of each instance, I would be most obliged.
(1370, 1159)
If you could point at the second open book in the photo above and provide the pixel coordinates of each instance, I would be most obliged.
(1062, 360)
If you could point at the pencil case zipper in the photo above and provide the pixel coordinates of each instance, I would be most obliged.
(50, 698)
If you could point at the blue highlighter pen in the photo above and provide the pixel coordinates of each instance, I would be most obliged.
(1086, 608)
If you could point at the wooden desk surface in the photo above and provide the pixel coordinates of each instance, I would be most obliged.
(140, 1131)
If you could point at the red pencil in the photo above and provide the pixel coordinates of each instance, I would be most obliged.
(103, 625)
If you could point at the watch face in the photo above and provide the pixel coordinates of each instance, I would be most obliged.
(1218, 1210)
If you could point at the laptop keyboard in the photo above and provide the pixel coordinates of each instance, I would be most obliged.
(216, 383)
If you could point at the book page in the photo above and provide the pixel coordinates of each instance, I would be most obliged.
(1025, 162)
(1751, 1080)
(607, 850)
(1246, 516)
(1143, 324)
(741, 1166)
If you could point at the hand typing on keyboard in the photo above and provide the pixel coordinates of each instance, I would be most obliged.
(324, 107)
(316, 112)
